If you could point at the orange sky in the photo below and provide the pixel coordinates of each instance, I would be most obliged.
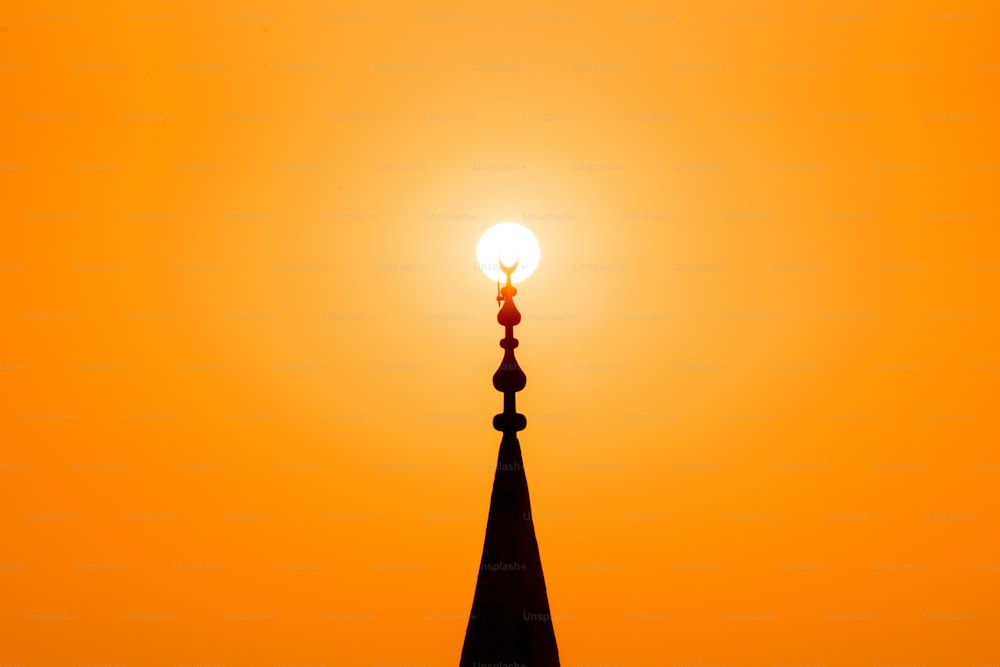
(245, 399)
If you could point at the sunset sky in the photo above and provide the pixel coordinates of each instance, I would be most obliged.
(245, 350)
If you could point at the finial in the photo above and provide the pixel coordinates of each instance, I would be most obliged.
(509, 378)
(503, 293)
(508, 269)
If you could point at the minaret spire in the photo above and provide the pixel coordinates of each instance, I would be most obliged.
(510, 621)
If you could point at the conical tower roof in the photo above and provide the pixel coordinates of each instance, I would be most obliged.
(510, 623)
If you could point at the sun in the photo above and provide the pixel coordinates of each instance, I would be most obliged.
(507, 242)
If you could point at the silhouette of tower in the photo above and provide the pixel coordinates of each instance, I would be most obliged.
(510, 623)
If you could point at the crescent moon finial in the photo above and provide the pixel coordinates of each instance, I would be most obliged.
(508, 269)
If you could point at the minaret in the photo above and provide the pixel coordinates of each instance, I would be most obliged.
(510, 621)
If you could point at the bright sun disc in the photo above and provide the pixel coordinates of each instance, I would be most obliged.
(507, 242)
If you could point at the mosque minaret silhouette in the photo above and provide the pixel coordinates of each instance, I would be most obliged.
(510, 622)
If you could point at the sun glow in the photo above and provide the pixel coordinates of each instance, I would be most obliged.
(507, 243)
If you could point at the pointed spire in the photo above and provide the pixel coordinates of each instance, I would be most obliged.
(510, 621)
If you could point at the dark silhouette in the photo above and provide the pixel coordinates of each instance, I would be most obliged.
(510, 621)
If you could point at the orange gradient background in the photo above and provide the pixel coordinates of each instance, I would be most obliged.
(245, 398)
